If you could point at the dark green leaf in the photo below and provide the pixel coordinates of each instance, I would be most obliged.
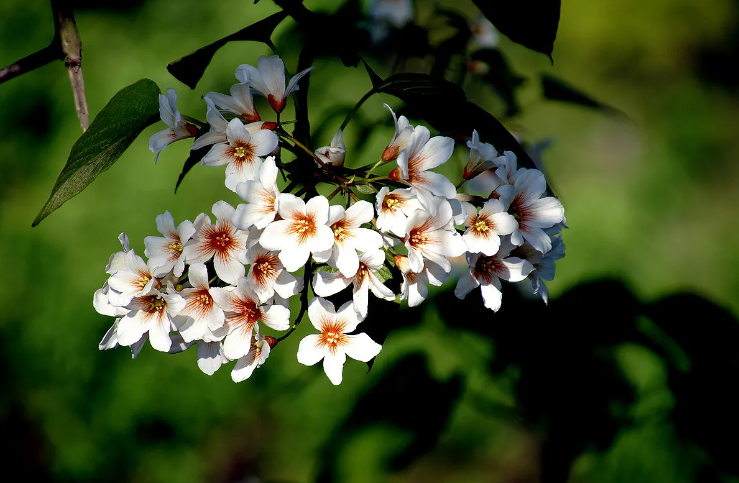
(190, 162)
(374, 78)
(422, 88)
(190, 68)
(531, 23)
(558, 90)
(124, 117)
(501, 77)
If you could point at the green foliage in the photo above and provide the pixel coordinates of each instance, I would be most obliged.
(127, 114)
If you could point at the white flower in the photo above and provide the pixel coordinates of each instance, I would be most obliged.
(428, 237)
(134, 281)
(258, 353)
(178, 127)
(201, 313)
(268, 80)
(243, 310)
(328, 283)
(485, 228)
(334, 154)
(240, 102)
(241, 153)
(210, 356)
(219, 125)
(481, 157)
(544, 265)
(485, 272)
(302, 230)
(151, 313)
(414, 287)
(396, 12)
(393, 209)
(117, 260)
(398, 143)
(261, 196)
(267, 275)
(223, 241)
(166, 253)
(421, 154)
(349, 236)
(334, 343)
(484, 33)
(532, 212)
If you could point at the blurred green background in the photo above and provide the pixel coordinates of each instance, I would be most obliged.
(650, 201)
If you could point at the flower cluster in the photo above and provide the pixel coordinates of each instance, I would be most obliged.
(225, 283)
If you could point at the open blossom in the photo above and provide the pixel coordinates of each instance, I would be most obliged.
(151, 313)
(349, 236)
(421, 154)
(219, 125)
(166, 253)
(200, 313)
(268, 80)
(414, 287)
(398, 143)
(481, 157)
(544, 265)
(242, 152)
(268, 276)
(485, 228)
(393, 209)
(261, 197)
(485, 272)
(333, 154)
(334, 342)
(223, 242)
(532, 212)
(243, 310)
(429, 237)
(134, 281)
(329, 283)
(257, 355)
(240, 102)
(178, 127)
(302, 230)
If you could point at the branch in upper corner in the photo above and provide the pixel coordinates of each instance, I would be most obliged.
(66, 32)
(38, 59)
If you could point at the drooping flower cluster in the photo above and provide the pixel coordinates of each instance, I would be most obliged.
(225, 284)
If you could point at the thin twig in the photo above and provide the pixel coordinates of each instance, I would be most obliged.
(38, 59)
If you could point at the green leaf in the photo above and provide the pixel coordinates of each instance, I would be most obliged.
(421, 88)
(366, 189)
(190, 68)
(128, 113)
(384, 274)
(558, 90)
(531, 23)
(374, 78)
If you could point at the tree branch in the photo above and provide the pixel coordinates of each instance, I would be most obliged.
(66, 45)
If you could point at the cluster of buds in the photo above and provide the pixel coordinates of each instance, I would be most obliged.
(224, 285)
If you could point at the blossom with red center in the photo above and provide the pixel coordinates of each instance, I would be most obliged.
(414, 287)
(398, 143)
(219, 125)
(167, 253)
(257, 355)
(268, 80)
(243, 310)
(134, 281)
(429, 236)
(241, 153)
(223, 242)
(533, 212)
(261, 197)
(151, 313)
(393, 209)
(349, 236)
(485, 228)
(334, 342)
(423, 153)
(302, 230)
(201, 314)
(485, 272)
(239, 103)
(267, 275)
(326, 283)
(178, 127)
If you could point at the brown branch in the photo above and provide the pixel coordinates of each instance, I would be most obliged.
(66, 45)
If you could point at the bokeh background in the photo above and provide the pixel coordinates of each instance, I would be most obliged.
(607, 384)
